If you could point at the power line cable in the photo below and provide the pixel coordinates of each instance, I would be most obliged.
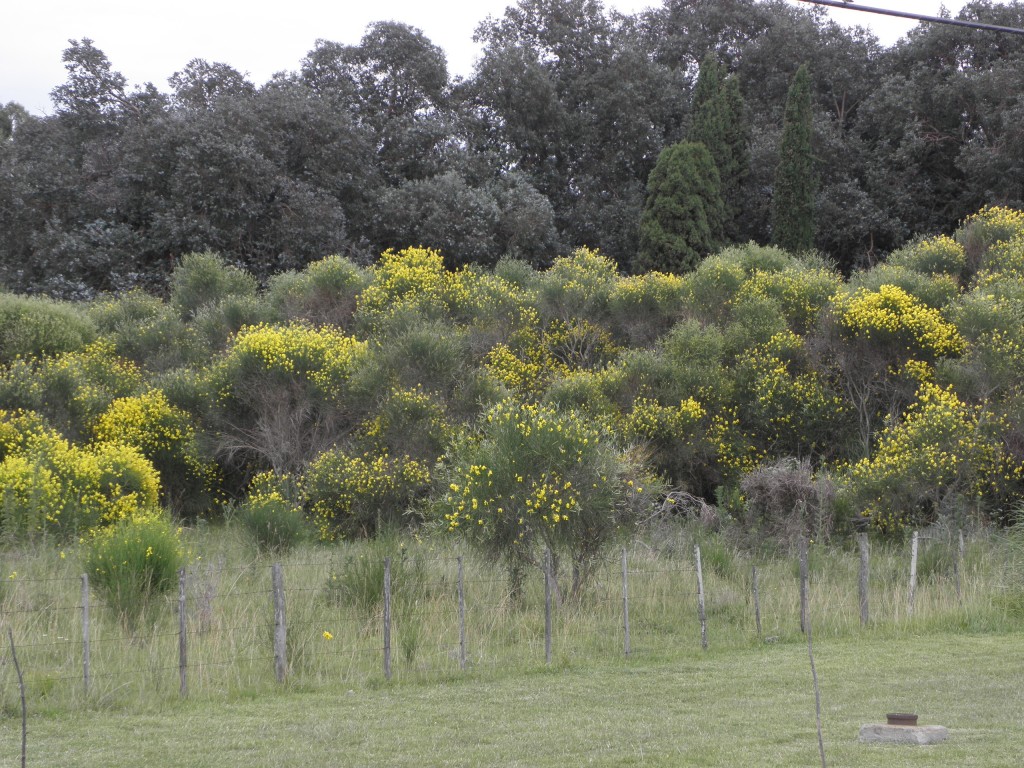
(850, 6)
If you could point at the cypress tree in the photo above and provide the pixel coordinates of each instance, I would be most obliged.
(719, 123)
(793, 198)
(683, 215)
(708, 109)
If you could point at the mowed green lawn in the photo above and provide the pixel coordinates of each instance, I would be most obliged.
(748, 707)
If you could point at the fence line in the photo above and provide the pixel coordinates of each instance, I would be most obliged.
(453, 620)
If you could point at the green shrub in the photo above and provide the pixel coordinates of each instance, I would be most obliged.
(357, 579)
(325, 293)
(146, 330)
(132, 562)
(216, 323)
(269, 514)
(35, 327)
(204, 279)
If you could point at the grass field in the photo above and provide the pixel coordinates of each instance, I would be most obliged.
(748, 700)
(739, 707)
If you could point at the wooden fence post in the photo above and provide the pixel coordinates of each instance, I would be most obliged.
(804, 576)
(387, 618)
(182, 635)
(757, 599)
(958, 564)
(625, 603)
(462, 618)
(865, 564)
(280, 626)
(913, 575)
(547, 606)
(85, 633)
(700, 600)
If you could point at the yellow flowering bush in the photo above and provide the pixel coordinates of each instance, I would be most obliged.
(940, 255)
(644, 307)
(892, 318)
(70, 390)
(578, 286)
(942, 456)
(800, 293)
(410, 420)
(411, 278)
(323, 357)
(357, 495)
(990, 225)
(536, 477)
(786, 404)
(167, 436)
(48, 486)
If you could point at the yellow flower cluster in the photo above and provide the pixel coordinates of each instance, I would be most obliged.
(412, 277)
(942, 446)
(649, 420)
(653, 292)
(992, 224)
(323, 356)
(800, 293)
(346, 493)
(891, 315)
(47, 484)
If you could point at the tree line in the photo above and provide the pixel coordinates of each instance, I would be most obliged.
(549, 145)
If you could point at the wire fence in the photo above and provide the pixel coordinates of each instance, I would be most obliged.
(243, 629)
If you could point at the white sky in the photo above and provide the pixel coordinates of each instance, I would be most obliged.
(149, 41)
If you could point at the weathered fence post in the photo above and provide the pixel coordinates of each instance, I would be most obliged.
(280, 626)
(700, 599)
(387, 618)
(958, 564)
(862, 545)
(625, 602)
(804, 568)
(21, 690)
(547, 606)
(85, 633)
(182, 635)
(462, 618)
(913, 575)
(757, 599)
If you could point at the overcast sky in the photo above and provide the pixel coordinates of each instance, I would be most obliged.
(149, 41)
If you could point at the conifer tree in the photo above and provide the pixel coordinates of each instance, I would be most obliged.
(719, 123)
(683, 215)
(793, 198)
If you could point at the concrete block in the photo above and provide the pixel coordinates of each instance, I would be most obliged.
(880, 733)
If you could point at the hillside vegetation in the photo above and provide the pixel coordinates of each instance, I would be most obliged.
(522, 410)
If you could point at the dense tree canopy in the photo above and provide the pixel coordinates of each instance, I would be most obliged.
(546, 147)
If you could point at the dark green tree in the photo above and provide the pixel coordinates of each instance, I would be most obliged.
(793, 197)
(683, 216)
(719, 122)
